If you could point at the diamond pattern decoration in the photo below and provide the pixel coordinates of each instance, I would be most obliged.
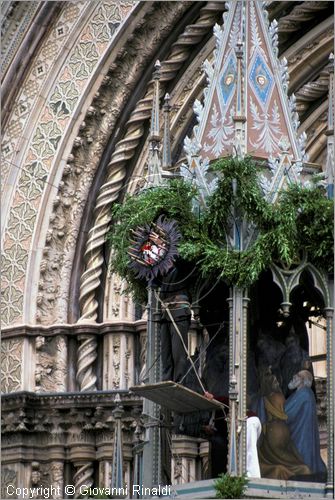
(228, 79)
(261, 79)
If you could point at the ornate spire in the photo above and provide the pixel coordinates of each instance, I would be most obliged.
(239, 118)
(167, 161)
(246, 109)
(330, 131)
(154, 176)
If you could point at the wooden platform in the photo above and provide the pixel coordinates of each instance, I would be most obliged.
(175, 397)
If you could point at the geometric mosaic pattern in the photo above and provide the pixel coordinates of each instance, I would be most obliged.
(11, 365)
(96, 37)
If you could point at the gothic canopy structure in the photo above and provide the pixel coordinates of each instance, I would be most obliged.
(77, 93)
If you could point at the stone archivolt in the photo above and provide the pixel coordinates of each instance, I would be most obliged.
(50, 301)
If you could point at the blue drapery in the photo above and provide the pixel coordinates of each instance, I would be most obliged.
(300, 408)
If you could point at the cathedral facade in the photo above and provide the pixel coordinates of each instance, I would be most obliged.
(82, 99)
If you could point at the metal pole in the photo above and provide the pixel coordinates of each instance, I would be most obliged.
(151, 411)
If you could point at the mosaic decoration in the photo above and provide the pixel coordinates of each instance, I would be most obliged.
(95, 39)
(11, 365)
(154, 249)
(36, 80)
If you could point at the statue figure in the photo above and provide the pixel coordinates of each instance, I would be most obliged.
(300, 408)
(294, 359)
(269, 352)
(278, 457)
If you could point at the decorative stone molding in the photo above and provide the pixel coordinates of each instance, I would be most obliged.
(80, 424)
(312, 91)
(300, 14)
(16, 332)
(45, 402)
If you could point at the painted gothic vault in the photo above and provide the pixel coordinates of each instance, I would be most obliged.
(102, 100)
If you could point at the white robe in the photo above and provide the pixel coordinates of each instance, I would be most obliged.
(254, 429)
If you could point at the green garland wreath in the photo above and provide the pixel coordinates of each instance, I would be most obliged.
(300, 220)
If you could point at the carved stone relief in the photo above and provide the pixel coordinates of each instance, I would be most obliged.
(115, 360)
(118, 305)
(51, 363)
(118, 364)
(82, 163)
(8, 477)
(57, 479)
(40, 477)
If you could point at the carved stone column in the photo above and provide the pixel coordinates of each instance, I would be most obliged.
(238, 304)
(185, 454)
(330, 401)
(82, 455)
(56, 454)
(204, 459)
(105, 457)
(87, 354)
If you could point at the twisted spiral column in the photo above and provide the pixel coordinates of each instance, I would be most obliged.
(124, 151)
(116, 173)
(87, 354)
(312, 91)
(300, 14)
(83, 477)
